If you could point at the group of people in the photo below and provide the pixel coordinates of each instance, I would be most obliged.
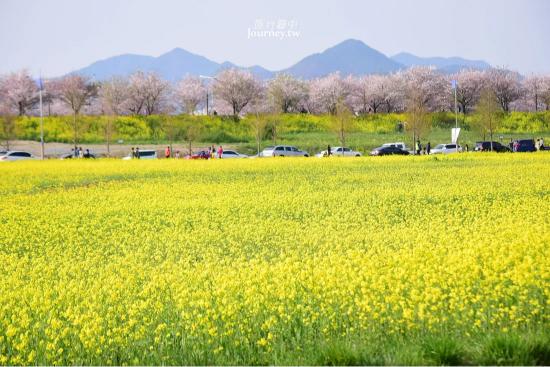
(78, 152)
(169, 153)
(135, 153)
(212, 151)
(515, 145)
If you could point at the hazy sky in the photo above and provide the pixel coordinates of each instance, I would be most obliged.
(58, 36)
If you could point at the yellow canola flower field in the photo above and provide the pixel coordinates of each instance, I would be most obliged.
(274, 261)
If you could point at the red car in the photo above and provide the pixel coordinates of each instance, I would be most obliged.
(203, 154)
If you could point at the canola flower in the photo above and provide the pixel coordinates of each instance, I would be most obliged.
(179, 262)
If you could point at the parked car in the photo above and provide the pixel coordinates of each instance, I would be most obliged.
(143, 154)
(446, 149)
(13, 155)
(485, 146)
(339, 152)
(388, 151)
(283, 151)
(525, 145)
(400, 145)
(233, 154)
(203, 154)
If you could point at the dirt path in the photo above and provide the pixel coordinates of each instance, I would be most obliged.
(54, 150)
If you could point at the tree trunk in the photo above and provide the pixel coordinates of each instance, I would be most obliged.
(74, 130)
(108, 136)
(491, 136)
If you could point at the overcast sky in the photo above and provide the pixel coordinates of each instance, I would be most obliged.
(58, 36)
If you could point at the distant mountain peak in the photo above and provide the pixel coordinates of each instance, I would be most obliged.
(445, 64)
(349, 57)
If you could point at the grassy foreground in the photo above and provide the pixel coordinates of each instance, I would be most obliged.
(397, 260)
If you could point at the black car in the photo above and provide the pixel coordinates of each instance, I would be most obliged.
(524, 145)
(485, 146)
(388, 151)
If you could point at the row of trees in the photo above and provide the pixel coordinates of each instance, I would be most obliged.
(235, 92)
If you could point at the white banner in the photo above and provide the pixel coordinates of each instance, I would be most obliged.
(455, 131)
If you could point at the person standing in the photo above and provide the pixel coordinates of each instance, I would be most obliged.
(80, 153)
(133, 153)
(428, 148)
(329, 151)
(418, 147)
(220, 152)
(167, 152)
(177, 154)
(213, 152)
(137, 153)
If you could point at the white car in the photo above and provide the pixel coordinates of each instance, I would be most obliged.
(143, 154)
(12, 155)
(445, 149)
(233, 154)
(283, 151)
(339, 152)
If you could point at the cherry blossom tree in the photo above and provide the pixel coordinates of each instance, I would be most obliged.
(75, 92)
(394, 92)
(506, 85)
(157, 94)
(20, 91)
(286, 93)
(430, 88)
(534, 88)
(148, 93)
(190, 93)
(237, 88)
(113, 95)
(326, 92)
(469, 86)
(136, 93)
(369, 93)
(545, 95)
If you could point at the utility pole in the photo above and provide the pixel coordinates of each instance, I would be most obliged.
(212, 96)
(455, 87)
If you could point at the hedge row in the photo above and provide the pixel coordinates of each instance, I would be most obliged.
(91, 129)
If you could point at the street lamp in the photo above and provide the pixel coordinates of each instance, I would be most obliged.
(212, 96)
(40, 88)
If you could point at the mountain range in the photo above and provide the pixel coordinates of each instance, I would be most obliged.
(350, 57)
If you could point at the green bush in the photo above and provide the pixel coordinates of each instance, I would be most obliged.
(219, 129)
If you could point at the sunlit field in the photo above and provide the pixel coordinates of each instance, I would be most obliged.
(390, 260)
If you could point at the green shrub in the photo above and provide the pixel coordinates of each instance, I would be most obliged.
(221, 129)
